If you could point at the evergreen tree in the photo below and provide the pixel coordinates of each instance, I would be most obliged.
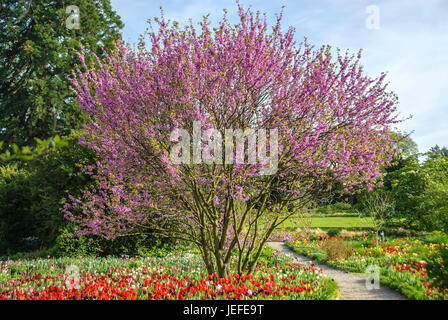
(38, 44)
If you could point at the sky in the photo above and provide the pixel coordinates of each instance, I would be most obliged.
(408, 39)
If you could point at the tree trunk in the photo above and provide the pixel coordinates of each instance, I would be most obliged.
(222, 266)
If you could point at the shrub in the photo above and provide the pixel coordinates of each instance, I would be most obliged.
(336, 249)
(437, 268)
(420, 192)
(436, 237)
(32, 194)
(401, 232)
(338, 208)
(348, 233)
(66, 245)
(136, 245)
(16, 197)
(333, 232)
(35, 254)
(342, 206)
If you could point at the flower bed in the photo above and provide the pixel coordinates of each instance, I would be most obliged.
(402, 262)
(174, 277)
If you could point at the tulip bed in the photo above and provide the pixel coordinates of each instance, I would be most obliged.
(402, 262)
(177, 276)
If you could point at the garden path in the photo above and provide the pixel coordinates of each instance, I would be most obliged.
(352, 287)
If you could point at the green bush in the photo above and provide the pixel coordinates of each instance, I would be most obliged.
(36, 254)
(333, 232)
(16, 224)
(437, 268)
(338, 208)
(341, 206)
(420, 192)
(436, 237)
(72, 246)
(67, 244)
(33, 192)
(401, 232)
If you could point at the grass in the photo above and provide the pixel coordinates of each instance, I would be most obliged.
(341, 222)
(331, 222)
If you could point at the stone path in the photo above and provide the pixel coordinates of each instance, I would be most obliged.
(352, 287)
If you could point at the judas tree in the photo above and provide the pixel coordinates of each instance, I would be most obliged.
(173, 121)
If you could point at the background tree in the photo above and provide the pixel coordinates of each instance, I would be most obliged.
(407, 151)
(379, 206)
(334, 123)
(419, 191)
(37, 52)
(33, 190)
(432, 203)
(436, 151)
(406, 146)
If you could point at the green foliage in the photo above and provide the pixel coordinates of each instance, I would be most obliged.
(159, 251)
(408, 290)
(144, 245)
(32, 194)
(333, 232)
(333, 290)
(69, 246)
(342, 206)
(14, 207)
(436, 151)
(400, 232)
(406, 146)
(317, 254)
(270, 256)
(337, 208)
(437, 268)
(437, 237)
(420, 192)
(37, 53)
(29, 153)
(434, 201)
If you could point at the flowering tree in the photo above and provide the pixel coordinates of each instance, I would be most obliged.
(326, 121)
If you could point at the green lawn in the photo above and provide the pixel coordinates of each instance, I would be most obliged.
(341, 222)
(333, 222)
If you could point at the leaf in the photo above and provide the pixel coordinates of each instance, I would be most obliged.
(15, 148)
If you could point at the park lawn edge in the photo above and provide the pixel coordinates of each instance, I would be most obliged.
(334, 292)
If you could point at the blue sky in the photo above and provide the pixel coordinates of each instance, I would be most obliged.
(411, 44)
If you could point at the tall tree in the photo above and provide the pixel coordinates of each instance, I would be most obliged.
(333, 123)
(406, 146)
(407, 151)
(38, 44)
(436, 151)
